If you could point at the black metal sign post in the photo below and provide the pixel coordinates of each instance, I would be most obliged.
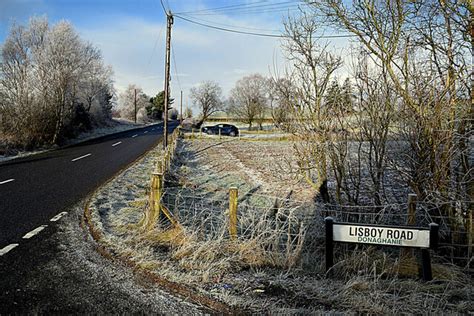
(400, 236)
(329, 222)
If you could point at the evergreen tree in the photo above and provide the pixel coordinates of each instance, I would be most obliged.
(157, 104)
(334, 96)
(347, 96)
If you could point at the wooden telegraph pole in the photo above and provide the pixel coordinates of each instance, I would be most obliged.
(181, 109)
(135, 103)
(167, 78)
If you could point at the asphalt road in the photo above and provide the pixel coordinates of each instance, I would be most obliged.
(60, 272)
(35, 189)
(49, 263)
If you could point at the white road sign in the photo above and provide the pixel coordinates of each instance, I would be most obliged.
(379, 235)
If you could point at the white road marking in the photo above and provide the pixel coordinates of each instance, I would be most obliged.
(78, 158)
(134, 135)
(57, 217)
(6, 181)
(34, 232)
(145, 132)
(117, 143)
(6, 249)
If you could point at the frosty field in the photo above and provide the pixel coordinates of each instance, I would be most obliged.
(276, 264)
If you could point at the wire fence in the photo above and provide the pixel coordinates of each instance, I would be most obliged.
(285, 226)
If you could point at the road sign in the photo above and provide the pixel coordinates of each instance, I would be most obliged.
(416, 237)
(381, 235)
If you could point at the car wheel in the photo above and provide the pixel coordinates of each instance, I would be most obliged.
(232, 133)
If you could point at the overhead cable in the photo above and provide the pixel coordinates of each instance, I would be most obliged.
(254, 33)
(228, 7)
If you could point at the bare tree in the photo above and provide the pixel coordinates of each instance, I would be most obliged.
(188, 112)
(399, 38)
(43, 75)
(311, 68)
(248, 99)
(281, 96)
(208, 97)
(423, 48)
(69, 56)
(95, 85)
(127, 102)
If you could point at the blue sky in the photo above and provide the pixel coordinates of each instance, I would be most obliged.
(82, 13)
(131, 36)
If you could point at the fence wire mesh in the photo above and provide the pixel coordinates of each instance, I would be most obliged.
(285, 226)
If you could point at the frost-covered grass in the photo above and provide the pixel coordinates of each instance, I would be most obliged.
(272, 266)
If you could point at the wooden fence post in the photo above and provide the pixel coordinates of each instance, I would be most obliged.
(407, 253)
(412, 199)
(233, 196)
(159, 167)
(155, 200)
(219, 133)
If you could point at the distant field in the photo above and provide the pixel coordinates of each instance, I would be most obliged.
(231, 119)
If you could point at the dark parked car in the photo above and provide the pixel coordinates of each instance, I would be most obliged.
(226, 129)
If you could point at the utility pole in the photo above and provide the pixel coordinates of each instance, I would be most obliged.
(135, 103)
(181, 110)
(167, 78)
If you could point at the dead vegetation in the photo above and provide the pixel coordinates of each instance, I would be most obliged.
(277, 262)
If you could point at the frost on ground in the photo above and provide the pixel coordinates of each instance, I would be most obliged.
(114, 126)
(255, 168)
(276, 264)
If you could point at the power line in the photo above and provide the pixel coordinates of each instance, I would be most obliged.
(253, 11)
(163, 6)
(268, 6)
(254, 33)
(229, 25)
(156, 44)
(260, 8)
(175, 67)
(227, 30)
(224, 7)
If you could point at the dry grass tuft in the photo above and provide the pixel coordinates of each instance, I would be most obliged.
(171, 237)
(252, 254)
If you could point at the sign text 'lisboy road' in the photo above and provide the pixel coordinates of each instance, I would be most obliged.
(415, 237)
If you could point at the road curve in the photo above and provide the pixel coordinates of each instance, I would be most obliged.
(36, 190)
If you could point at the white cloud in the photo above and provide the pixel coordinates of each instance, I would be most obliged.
(135, 49)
